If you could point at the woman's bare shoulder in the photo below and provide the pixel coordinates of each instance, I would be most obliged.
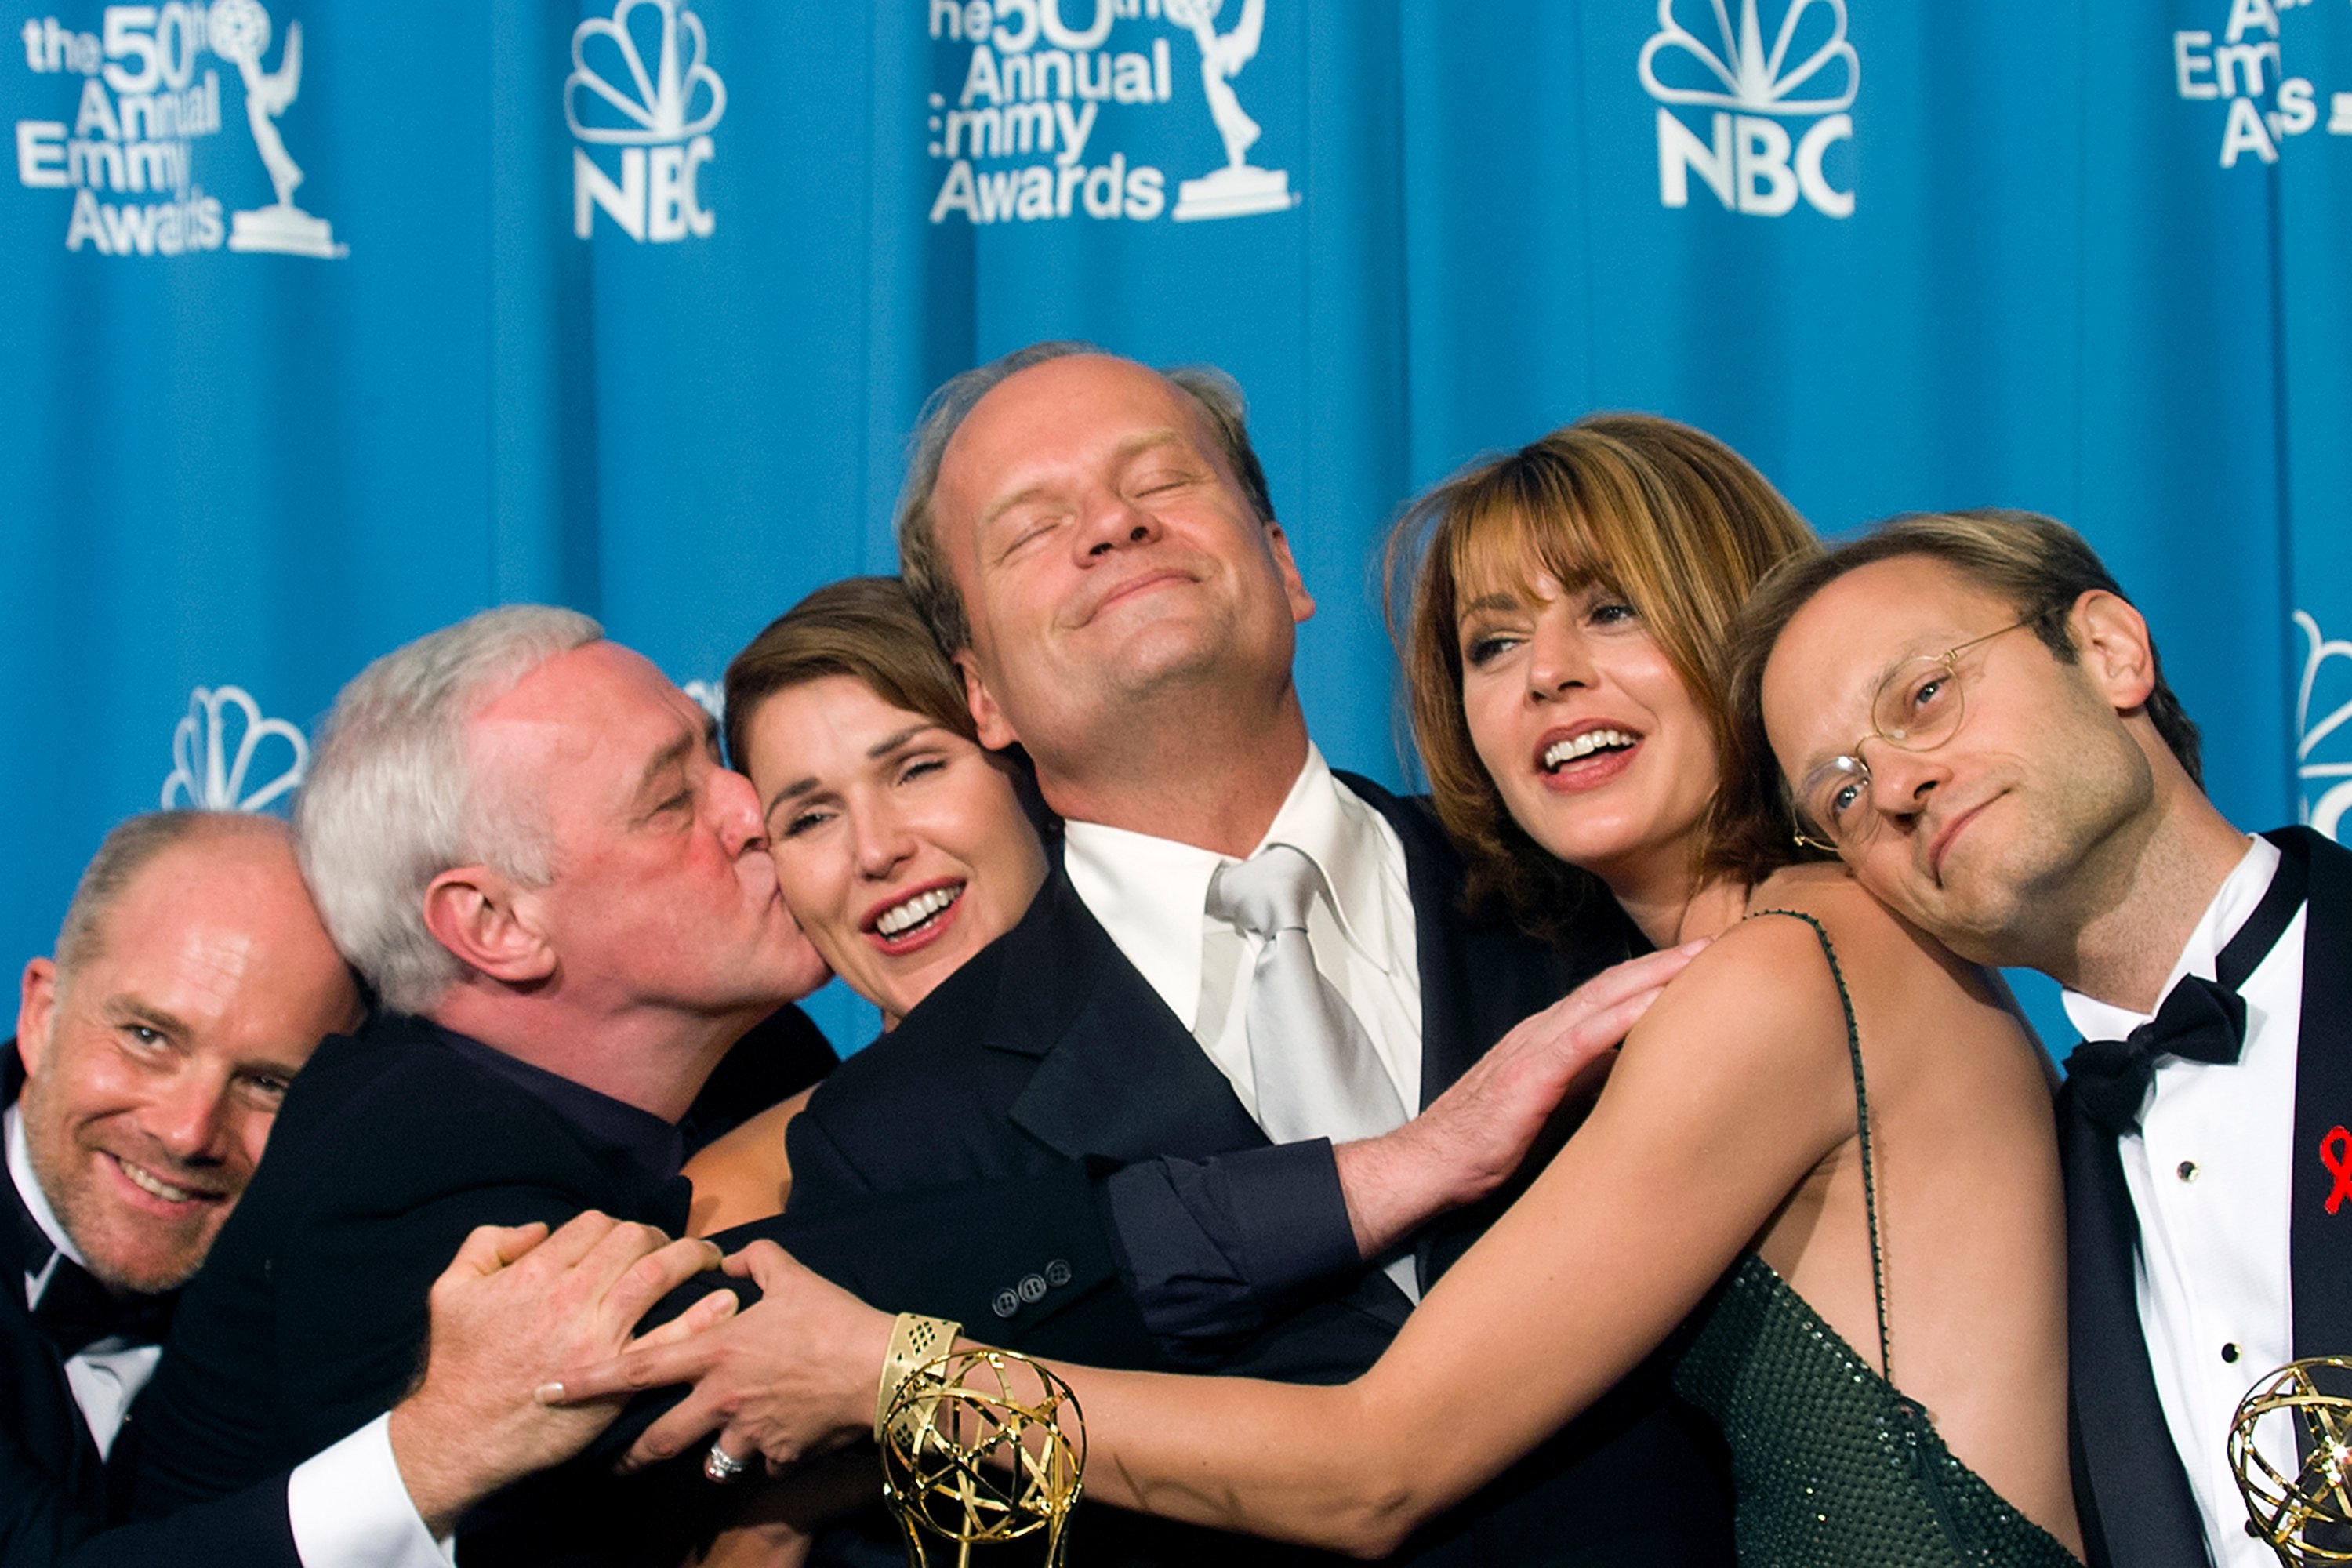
(1751, 1035)
(1859, 927)
(1902, 983)
(1763, 990)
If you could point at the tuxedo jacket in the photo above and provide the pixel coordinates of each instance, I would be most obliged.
(2133, 1494)
(1048, 1050)
(53, 1483)
(309, 1318)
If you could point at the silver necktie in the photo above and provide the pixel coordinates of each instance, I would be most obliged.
(1317, 1075)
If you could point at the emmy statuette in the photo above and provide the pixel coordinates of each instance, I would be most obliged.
(981, 1448)
(2299, 1498)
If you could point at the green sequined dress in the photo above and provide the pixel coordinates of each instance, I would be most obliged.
(1831, 1466)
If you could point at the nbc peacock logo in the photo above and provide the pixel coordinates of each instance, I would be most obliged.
(641, 81)
(215, 746)
(1755, 87)
(2323, 743)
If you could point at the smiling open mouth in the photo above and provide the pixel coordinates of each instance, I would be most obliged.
(146, 1180)
(921, 910)
(1559, 753)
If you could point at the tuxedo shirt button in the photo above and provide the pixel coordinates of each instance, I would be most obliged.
(2186, 1170)
(2230, 1351)
(1006, 1304)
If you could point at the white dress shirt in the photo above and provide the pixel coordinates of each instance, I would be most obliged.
(349, 1507)
(2210, 1173)
(1151, 896)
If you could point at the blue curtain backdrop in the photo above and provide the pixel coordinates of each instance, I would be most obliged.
(310, 344)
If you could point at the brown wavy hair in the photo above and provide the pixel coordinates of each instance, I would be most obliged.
(1669, 517)
(863, 627)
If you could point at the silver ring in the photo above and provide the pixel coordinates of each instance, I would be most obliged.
(721, 1466)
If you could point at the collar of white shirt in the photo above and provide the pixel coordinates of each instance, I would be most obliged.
(2232, 907)
(1148, 892)
(37, 1203)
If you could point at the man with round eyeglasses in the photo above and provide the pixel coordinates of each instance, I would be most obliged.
(2036, 802)
(1917, 708)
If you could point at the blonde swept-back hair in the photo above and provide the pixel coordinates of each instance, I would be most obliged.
(1665, 514)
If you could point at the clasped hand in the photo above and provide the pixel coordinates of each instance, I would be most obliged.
(790, 1376)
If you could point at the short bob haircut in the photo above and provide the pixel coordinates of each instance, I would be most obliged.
(1667, 515)
(865, 628)
(2035, 565)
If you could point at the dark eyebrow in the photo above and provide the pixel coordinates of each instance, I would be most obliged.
(889, 744)
(875, 752)
(797, 787)
(132, 1010)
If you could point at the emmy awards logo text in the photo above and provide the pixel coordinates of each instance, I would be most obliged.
(2246, 65)
(1749, 159)
(641, 81)
(145, 120)
(1043, 85)
(213, 753)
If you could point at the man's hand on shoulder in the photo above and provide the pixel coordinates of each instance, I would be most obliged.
(514, 1309)
(1475, 1135)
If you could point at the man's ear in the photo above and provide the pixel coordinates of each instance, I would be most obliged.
(2111, 642)
(1294, 587)
(37, 1011)
(996, 730)
(473, 912)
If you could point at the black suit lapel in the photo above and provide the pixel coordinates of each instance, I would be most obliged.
(2140, 1500)
(1479, 978)
(36, 1400)
(1434, 878)
(1118, 1075)
(2124, 1453)
(15, 1224)
(2320, 1223)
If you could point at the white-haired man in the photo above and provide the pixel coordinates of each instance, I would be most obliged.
(191, 982)
(521, 837)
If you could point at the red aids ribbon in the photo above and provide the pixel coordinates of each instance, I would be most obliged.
(2336, 1153)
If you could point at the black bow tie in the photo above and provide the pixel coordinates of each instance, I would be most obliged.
(2200, 1020)
(77, 1312)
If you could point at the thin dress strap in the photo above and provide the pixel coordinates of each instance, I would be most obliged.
(1862, 1123)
